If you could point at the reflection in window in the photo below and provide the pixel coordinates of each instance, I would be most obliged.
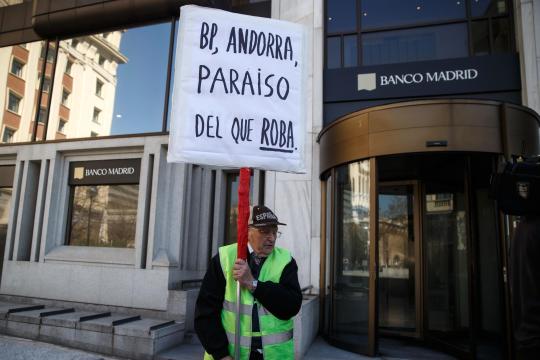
(5, 201)
(130, 69)
(341, 16)
(47, 84)
(488, 7)
(21, 94)
(42, 116)
(480, 37)
(14, 102)
(65, 97)
(333, 52)
(104, 216)
(350, 50)
(10, 2)
(17, 67)
(8, 135)
(62, 126)
(96, 116)
(419, 44)
(69, 64)
(99, 87)
(387, 13)
(501, 35)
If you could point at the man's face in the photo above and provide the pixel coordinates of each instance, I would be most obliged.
(263, 239)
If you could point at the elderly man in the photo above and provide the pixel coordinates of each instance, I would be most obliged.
(270, 296)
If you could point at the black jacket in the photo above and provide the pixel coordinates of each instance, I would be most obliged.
(283, 300)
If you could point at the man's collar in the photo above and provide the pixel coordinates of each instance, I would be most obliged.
(250, 249)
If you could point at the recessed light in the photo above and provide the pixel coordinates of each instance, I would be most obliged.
(365, 14)
(418, 7)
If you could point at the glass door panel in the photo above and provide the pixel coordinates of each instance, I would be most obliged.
(446, 284)
(397, 259)
(350, 288)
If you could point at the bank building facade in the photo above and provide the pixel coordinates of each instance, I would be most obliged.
(409, 111)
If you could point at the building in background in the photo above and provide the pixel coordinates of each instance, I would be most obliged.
(80, 100)
(409, 112)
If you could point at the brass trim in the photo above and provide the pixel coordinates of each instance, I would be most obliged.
(373, 316)
(407, 127)
(322, 259)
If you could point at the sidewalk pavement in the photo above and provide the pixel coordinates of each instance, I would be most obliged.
(13, 348)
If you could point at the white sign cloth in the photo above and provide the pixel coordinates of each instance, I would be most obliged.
(238, 97)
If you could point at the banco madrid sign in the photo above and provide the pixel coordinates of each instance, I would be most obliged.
(370, 81)
(479, 74)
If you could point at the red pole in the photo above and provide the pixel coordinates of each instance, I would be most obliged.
(241, 252)
(243, 212)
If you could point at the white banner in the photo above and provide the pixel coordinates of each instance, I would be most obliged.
(238, 97)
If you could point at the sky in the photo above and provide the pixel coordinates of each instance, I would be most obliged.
(140, 90)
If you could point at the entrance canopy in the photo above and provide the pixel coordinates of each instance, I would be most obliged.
(430, 125)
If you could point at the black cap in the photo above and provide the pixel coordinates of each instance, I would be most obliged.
(260, 215)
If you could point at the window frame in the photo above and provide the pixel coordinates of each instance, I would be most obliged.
(20, 98)
(7, 128)
(65, 99)
(61, 121)
(96, 116)
(16, 60)
(99, 88)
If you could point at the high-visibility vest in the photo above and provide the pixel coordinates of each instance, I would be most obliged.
(276, 334)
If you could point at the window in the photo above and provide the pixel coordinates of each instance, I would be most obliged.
(61, 125)
(104, 206)
(376, 14)
(69, 64)
(417, 44)
(49, 52)
(99, 87)
(376, 32)
(14, 102)
(341, 16)
(96, 116)
(480, 37)
(47, 84)
(231, 210)
(42, 116)
(8, 135)
(333, 52)
(488, 7)
(17, 67)
(65, 97)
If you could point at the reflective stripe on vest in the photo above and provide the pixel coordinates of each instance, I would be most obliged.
(245, 309)
(271, 339)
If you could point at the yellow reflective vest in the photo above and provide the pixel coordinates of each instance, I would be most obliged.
(276, 334)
